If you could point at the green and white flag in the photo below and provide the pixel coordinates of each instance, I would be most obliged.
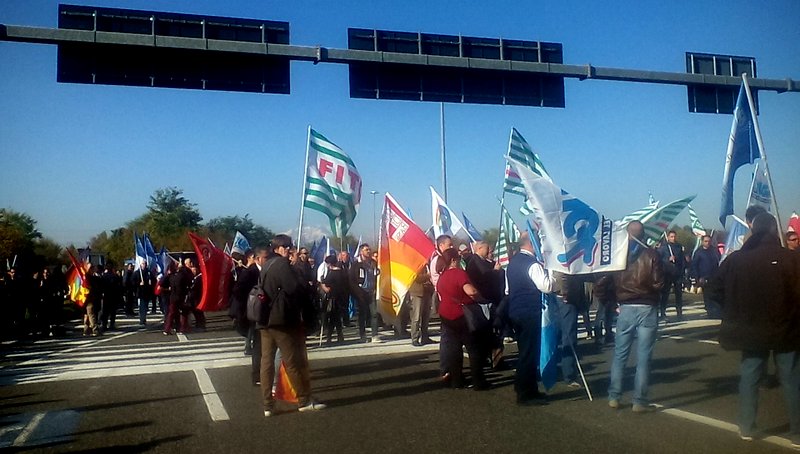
(697, 227)
(519, 149)
(509, 233)
(656, 223)
(333, 184)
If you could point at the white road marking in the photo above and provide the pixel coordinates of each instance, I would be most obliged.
(28, 430)
(213, 402)
(711, 422)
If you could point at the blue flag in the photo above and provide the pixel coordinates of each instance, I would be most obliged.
(150, 254)
(138, 250)
(319, 252)
(551, 329)
(473, 232)
(240, 244)
(742, 149)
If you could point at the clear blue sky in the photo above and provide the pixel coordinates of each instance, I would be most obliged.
(82, 159)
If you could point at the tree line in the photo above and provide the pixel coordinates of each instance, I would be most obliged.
(169, 216)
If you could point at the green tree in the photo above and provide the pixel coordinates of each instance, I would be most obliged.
(223, 229)
(17, 233)
(170, 213)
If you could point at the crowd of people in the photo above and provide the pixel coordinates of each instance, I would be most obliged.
(482, 307)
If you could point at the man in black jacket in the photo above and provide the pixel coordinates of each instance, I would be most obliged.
(759, 289)
(283, 327)
(674, 264)
(247, 279)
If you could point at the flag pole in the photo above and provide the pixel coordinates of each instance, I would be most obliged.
(444, 160)
(763, 155)
(303, 192)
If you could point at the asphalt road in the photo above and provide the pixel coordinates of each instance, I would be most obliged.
(139, 391)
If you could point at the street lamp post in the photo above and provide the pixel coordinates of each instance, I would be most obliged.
(374, 229)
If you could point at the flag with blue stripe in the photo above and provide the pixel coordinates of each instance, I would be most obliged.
(240, 244)
(473, 232)
(742, 149)
(549, 356)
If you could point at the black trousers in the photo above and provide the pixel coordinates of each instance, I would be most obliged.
(455, 335)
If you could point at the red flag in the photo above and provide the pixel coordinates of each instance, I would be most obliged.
(76, 280)
(216, 269)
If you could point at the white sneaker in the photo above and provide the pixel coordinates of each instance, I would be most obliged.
(745, 437)
(313, 406)
(267, 413)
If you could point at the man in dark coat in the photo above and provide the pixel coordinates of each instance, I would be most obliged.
(705, 263)
(283, 328)
(674, 265)
(759, 290)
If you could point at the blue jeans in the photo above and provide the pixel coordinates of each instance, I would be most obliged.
(569, 340)
(752, 367)
(635, 320)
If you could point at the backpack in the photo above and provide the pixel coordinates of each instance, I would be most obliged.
(258, 303)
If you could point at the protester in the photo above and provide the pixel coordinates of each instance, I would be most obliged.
(93, 301)
(527, 279)
(420, 298)
(284, 328)
(246, 279)
(335, 285)
(456, 290)
(112, 298)
(570, 295)
(363, 284)
(673, 263)
(759, 290)
(15, 294)
(489, 279)
(792, 241)
(144, 283)
(54, 292)
(704, 265)
(196, 295)
(443, 243)
(130, 289)
(344, 263)
(172, 315)
(603, 291)
(179, 299)
(638, 288)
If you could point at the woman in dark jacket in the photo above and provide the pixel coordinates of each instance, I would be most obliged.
(759, 289)
(456, 290)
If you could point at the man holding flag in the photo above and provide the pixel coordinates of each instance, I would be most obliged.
(638, 288)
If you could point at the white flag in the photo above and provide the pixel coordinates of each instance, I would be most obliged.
(576, 239)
